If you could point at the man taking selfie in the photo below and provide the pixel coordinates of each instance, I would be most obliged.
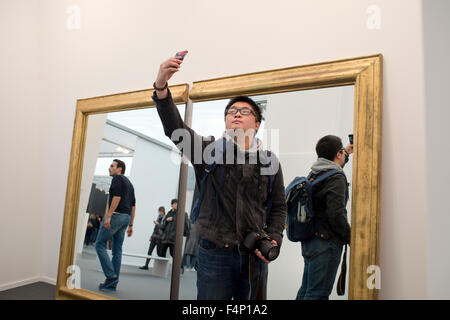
(241, 211)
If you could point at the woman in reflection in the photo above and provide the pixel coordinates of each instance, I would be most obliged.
(155, 238)
(240, 200)
(168, 227)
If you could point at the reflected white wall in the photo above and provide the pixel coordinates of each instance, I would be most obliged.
(94, 134)
(302, 118)
(155, 179)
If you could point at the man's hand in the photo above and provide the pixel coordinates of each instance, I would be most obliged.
(349, 149)
(107, 223)
(167, 70)
(259, 254)
(130, 231)
(169, 219)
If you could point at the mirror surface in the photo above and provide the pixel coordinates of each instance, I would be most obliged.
(153, 166)
(294, 122)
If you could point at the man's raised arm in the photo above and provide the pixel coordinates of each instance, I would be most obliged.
(189, 142)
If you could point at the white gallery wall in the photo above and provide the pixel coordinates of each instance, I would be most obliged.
(437, 84)
(21, 212)
(49, 60)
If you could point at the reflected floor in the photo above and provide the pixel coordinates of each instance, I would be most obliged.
(135, 284)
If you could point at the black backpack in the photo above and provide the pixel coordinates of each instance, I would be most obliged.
(301, 223)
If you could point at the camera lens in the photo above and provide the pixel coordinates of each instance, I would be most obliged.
(269, 250)
(273, 253)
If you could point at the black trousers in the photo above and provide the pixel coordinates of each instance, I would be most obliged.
(162, 249)
(152, 246)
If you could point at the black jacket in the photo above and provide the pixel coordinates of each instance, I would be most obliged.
(241, 204)
(329, 200)
(169, 228)
(157, 232)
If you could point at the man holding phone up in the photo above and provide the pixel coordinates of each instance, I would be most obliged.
(235, 195)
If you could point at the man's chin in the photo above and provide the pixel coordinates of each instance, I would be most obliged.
(235, 128)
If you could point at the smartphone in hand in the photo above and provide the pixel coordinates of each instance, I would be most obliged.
(350, 138)
(181, 54)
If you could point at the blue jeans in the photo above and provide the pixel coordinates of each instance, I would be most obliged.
(119, 224)
(223, 274)
(190, 261)
(322, 259)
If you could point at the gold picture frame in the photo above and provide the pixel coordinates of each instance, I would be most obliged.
(365, 73)
(85, 107)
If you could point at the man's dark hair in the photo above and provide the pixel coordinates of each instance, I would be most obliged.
(252, 103)
(328, 146)
(120, 164)
(174, 201)
(162, 209)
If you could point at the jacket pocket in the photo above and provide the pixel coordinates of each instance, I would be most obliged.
(207, 245)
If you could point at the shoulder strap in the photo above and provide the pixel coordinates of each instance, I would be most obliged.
(327, 174)
(209, 169)
(269, 190)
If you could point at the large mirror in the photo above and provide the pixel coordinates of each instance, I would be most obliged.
(300, 105)
(294, 122)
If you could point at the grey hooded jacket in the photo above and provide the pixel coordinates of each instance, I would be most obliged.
(329, 200)
(240, 206)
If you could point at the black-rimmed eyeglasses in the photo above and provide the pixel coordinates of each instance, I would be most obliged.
(243, 111)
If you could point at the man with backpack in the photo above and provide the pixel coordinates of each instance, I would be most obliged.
(241, 211)
(318, 218)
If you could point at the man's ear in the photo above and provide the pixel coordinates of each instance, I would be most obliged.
(336, 157)
(257, 125)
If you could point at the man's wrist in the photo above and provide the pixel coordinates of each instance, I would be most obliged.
(159, 86)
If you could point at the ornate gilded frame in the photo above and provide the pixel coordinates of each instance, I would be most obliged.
(365, 73)
(85, 107)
